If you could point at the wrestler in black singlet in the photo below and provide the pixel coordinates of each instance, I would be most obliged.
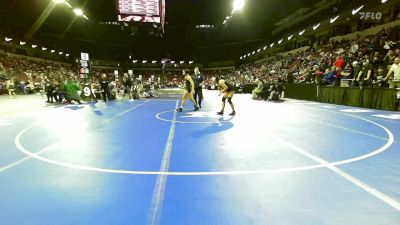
(188, 85)
(228, 94)
(230, 86)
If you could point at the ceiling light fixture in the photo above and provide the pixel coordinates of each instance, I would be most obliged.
(355, 11)
(316, 26)
(78, 12)
(238, 5)
(334, 19)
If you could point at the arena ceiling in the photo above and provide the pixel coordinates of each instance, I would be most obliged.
(181, 38)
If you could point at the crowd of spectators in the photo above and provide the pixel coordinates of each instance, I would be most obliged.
(364, 62)
(28, 75)
(367, 61)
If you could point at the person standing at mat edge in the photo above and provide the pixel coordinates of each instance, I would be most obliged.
(127, 81)
(188, 92)
(198, 81)
(395, 69)
(105, 88)
(226, 88)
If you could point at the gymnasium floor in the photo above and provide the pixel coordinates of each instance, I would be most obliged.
(140, 162)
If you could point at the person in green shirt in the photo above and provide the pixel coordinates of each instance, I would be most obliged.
(71, 89)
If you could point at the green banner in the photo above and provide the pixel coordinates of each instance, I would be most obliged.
(374, 98)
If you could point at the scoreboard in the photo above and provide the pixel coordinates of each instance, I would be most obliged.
(152, 11)
(139, 7)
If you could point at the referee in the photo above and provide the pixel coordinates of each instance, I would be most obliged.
(105, 88)
(198, 89)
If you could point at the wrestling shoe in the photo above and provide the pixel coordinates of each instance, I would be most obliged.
(179, 109)
(220, 113)
(233, 113)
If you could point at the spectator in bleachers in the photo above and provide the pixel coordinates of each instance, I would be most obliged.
(365, 75)
(10, 86)
(395, 70)
(329, 76)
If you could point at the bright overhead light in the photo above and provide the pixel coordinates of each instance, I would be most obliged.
(301, 32)
(259, 50)
(271, 45)
(34, 46)
(182, 62)
(265, 47)
(225, 21)
(78, 12)
(316, 26)
(290, 37)
(52, 51)
(238, 5)
(144, 61)
(383, 1)
(254, 52)
(172, 62)
(67, 54)
(280, 41)
(70, 6)
(134, 61)
(22, 42)
(59, 1)
(44, 49)
(248, 54)
(8, 39)
(84, 16)
(190, 62)
(334, 19)
(154, 61)
(60, 53)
